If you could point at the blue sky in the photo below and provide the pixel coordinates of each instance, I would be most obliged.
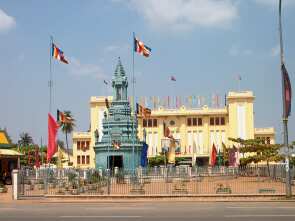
(205, 44)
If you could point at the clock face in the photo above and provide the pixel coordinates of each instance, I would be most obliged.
(172, 122)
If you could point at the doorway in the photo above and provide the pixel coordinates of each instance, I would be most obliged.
(116, 161)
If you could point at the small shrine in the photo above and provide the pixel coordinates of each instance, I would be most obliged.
(119, 146)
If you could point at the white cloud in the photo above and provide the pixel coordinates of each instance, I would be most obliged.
(275, 3)
(6, 22)
(275, 51)
(85, 70)
(186, 14)
(116, 48)
(236, 51)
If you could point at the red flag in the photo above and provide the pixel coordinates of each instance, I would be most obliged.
(288, 92)
(213, 155)
(37, 159)
(52, 131)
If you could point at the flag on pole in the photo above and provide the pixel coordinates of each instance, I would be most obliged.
(62, 117)
(143, 111)
(107, 103)
(141, 48)
(58, 54)
(213, 155)
(37, 158)
(288, 91)
(52, 131)
(172, 78)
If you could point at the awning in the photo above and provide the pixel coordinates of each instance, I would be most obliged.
(8, 152)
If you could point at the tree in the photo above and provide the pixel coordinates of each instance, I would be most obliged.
(258, 151)
(25, 140)
(67, 127)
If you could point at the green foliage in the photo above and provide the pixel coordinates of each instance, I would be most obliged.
(29, 154)
(156, 161)
(25, 139)
(257, 151)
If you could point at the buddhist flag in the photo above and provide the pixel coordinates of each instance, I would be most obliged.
(287, 92)
(166, 131)
(107, 103)
(52, 131)
(62, 118)
(213, 155)
(172, 78)
(58, 54)
(141, 48)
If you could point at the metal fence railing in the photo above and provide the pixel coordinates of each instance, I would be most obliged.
(181, 180)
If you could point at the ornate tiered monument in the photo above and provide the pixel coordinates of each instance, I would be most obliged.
(119, 146)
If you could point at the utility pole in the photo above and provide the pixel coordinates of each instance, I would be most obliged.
(285, 114)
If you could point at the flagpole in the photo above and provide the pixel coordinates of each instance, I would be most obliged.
(50, 75)
(133, 104)
(285, 115)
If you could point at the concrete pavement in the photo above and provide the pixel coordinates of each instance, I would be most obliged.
(148, 211)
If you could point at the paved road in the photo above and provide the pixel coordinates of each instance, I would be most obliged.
(147, 211)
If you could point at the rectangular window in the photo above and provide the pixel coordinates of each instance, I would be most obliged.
(200, 123)
(83, 159)
(189, 122)
(211, 120)
(144, 124)
(216, 120)
(155, 123)
(150, 123)
(78, 159)
(87, 145)
(222, 121)
(195, 121)
(268, 140)
(78, 145)
(87, 159)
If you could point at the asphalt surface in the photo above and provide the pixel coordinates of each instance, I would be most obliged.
(148, 211)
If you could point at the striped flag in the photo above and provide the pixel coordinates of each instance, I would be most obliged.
(141, 48)
(287, 92)
(58, 54)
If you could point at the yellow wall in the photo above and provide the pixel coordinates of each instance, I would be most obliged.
(239, 122)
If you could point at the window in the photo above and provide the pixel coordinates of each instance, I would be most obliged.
(268, 140)
(211, 120)
(78, 145)
(83, 159)
(222, 121)
(150, 123)
(87, 145)
(200, 123)
(216, 120)
(189, 122)
(155, 123)
(195, 121)
(78, 159)
(144, 123)
(87, 159)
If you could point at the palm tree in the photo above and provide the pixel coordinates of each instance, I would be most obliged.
(25, 139)
(67, 127)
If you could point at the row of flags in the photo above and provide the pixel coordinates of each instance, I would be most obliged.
(175, 102)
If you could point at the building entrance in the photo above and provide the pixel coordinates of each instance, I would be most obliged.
(202, 161)
(115, 161)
